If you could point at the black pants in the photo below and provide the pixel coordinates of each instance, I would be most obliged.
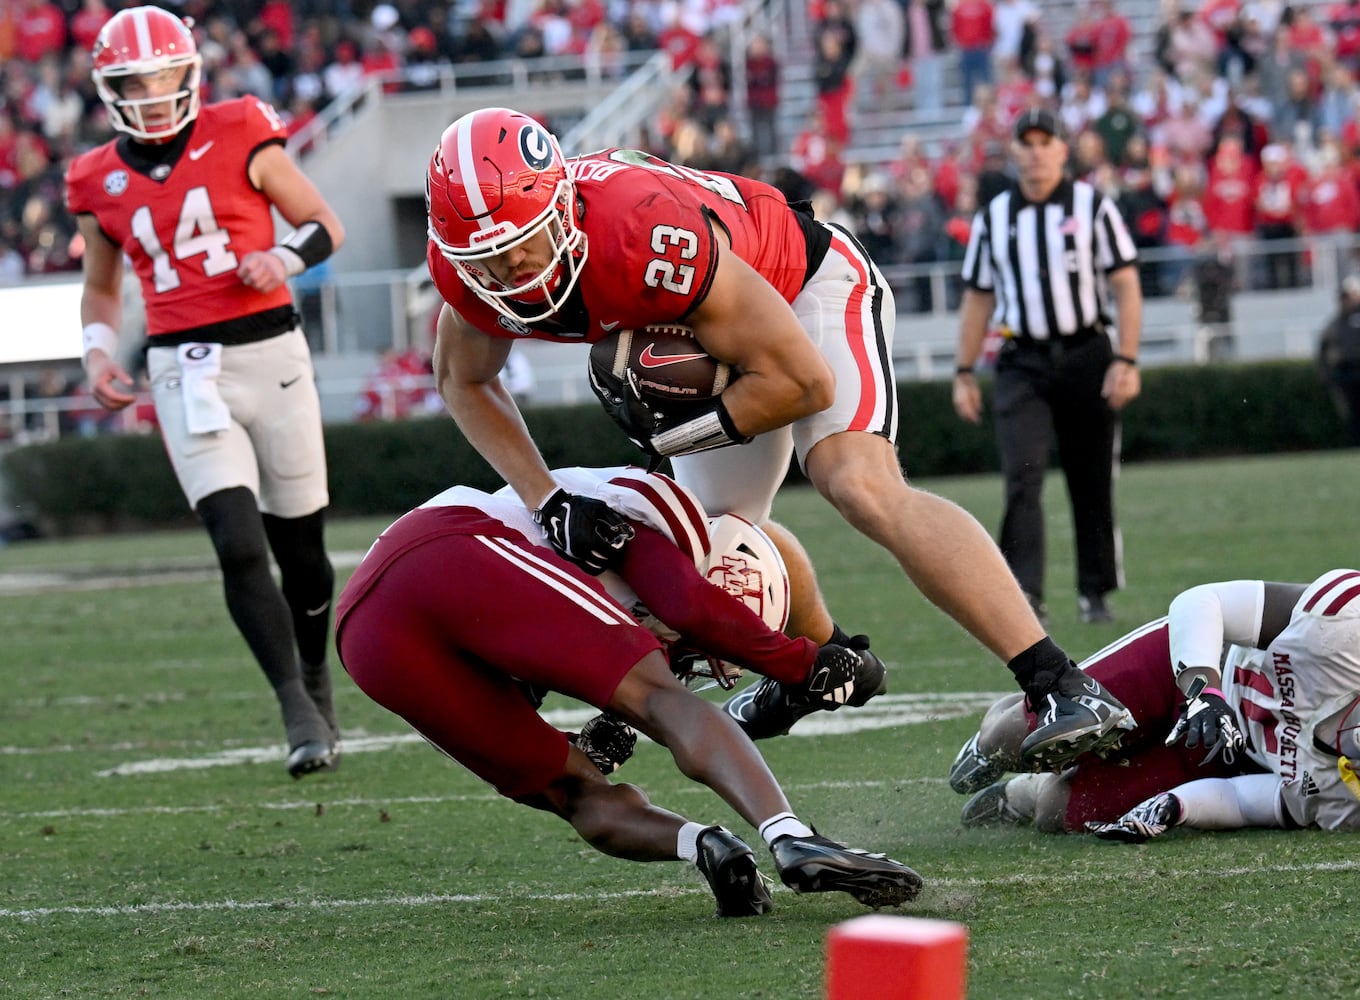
(1046, 392)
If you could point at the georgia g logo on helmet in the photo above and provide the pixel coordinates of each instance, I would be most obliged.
(536, 146)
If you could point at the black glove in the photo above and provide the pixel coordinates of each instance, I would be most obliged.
(625, 407)
(589, 532)
(1206, 720)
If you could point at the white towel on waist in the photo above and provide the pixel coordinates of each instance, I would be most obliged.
(204, 410)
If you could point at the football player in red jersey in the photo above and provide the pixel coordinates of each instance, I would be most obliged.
(452, 653)
(1247, 696)
(524, 243)
(186, 194)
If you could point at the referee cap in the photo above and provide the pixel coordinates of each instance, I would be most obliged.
(1041, 119)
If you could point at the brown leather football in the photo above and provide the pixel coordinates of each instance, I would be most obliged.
(664, 362)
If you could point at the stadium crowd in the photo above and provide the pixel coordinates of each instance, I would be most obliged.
(1240, 122)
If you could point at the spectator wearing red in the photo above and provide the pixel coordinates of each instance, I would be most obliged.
(1331, 201)
(1278, 212)
(1081, 42)
(1186, 225)
(762, 96)
(677, 40)
(1112, 36)
(86, 22)
(380, 60)
(39, 30)
(817, 155)
(834, 41)
(1220, 16)
(1344, 20)
(1014, 92)
(277, 16)
(1230, 191)
(1304, 39)
(973, 32)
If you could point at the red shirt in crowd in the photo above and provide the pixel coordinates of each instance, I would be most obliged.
(1279, 194)
(86, 22)
(1332, 204)
(39, 30)
(1230, 191)
(971, 25)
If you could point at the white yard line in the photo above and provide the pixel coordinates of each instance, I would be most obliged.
(102, 578)
(885, 712)
(1044, 879)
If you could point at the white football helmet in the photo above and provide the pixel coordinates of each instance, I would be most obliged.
(146, 42)
(743, 561)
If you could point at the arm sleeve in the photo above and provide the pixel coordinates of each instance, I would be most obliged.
(1202, 618)
(708, 617)
(1231, 803)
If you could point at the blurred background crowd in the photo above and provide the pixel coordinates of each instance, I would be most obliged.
(1240, 121)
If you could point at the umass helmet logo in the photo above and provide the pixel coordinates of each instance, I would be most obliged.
(536, 147)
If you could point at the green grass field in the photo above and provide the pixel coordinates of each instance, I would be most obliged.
(152, 845)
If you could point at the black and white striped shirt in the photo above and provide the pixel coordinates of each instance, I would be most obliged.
(1047, 262)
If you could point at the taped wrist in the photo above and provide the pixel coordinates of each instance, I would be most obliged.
(98, 336)
(713, 428)
(306, 246)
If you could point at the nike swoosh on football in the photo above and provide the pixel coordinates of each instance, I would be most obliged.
(194, 154)
(648, 359)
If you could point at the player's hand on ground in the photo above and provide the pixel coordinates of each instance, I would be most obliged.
(1148, 819)
(586, 531)
(1208, 721)
(107, 381)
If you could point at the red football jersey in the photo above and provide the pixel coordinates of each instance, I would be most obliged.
(187, 223)
(651, 247)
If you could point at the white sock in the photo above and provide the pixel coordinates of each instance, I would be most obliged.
(783, 824)
(687, 843)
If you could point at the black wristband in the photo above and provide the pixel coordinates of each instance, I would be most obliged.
(1131, 362)
(963, 370)
(311, 241)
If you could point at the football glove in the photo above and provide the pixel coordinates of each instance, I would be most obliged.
(607, 740)
(625, 407)
(1207, 720)
(1148, 819)
(584, 530)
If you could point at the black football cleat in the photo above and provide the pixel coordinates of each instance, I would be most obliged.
(730, 867)
(1076, 716)
(841, 675)
(816, 864)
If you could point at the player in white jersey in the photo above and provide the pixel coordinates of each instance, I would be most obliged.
(1248, 702)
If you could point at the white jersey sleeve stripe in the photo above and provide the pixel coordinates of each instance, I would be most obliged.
(564, 583)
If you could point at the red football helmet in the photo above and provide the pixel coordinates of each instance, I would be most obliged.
(497, 179)
(147, 42)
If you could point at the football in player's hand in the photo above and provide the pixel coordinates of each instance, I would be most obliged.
(664, 363)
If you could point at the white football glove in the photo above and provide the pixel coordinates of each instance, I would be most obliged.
(1148, 819)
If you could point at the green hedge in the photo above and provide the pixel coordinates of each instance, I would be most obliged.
(109, 483)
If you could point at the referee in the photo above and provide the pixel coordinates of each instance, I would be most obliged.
(1044, 259)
